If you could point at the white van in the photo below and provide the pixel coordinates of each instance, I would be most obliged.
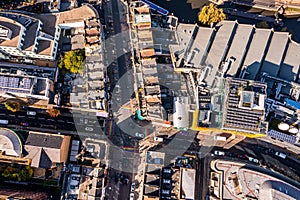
(3, 121)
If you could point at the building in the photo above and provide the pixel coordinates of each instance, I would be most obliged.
(22, 85)
(187, 183)
(181, 114)
(244, 106)
(176, 181)
(148, 91)
(46, 150)
(10, 143)
(81, 29)
(28, 36)
(11, 148)
(233, 180)
(208, 56)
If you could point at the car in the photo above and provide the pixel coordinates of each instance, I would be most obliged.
(253, 160)
(281, 155)
(232, 154)
(132, 187)
(241, 156)
(219, 153)
(140, 135)
(24, 124)
(131, 196)
(158, 139)
(3, 121)
(89, 129)
(75, 178)
(33, 113)
(74, 187)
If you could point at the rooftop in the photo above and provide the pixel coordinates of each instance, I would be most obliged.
(45, 149)
(289, 68)
(244, 106)
(10, 143)
(275, 53)
(254, 56)
(242, 179)
(238, 48)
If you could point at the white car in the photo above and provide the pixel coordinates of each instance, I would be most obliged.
(140, 135)
(31, 113)
(281, 155)
(131, 196)
(219, 153)
(253, 160)
(89, 129)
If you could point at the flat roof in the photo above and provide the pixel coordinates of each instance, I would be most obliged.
(188, 177)
(142, 18)
(83, 12)
(256, 52)
(238, 47)
(220, 43)
(181, 117)
(275, 53)
(289, 68)
(200, 45)
(184, 33)
(219, 48)
(16, 32)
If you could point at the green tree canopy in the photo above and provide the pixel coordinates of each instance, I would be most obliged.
(22, 174)
(12, 106)
(72, 61)
(211, 14)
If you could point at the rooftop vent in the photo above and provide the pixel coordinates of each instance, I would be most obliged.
(5, 33)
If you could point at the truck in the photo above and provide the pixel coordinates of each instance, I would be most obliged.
(281, 155)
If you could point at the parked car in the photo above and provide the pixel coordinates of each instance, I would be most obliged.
(24, 124)
(132, 186)
(232, 154)
(3, 121)
(281, 155)
(158, 139)
(33, 113)
(253, 160)
(241, 156)
(140, 135)
(219, 153)
(131, 196)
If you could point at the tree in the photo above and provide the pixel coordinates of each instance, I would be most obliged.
(211, 14)
(53, 112)
(12, 106)
(72, 61)
(22, 174)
